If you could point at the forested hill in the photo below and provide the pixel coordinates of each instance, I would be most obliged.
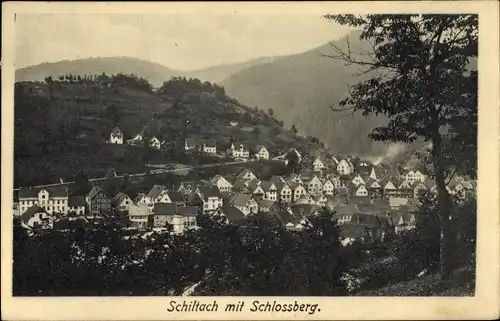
(301, 88)
(61, 126)
(155, 73)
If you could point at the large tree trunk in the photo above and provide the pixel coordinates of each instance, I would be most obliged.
(444, 208)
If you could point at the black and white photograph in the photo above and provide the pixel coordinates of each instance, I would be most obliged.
(245, 154)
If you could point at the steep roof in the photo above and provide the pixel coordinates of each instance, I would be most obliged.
(257, 148)
(191, 141)
(209, 191)
(176, 197)
(210, 142)
(346, 209)
(94, 191)
(233, 214)
(266, 185)
(353, 231)
(265, 204)
(303, 210)
(156, 191)
(243, 173)
(116, 132)
(241, 199)
(30, 212)
(287, 218)
(119, 198)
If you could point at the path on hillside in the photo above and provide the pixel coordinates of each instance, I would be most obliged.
(153, 172)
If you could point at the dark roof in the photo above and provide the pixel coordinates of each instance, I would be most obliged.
(191, 141)
(194, 199)
(30, 212)
(265, 204)
(233, 214)
(156, 191)
(209, 142)
(241, 199)
(353, 231)
(117, 132)
(54, 191)
(94, 191)
(286, 218)
(303, 210)
(209, 191)
(118, 198)
(76, 201)
(173, 209)
(346, 209)
(176, 197)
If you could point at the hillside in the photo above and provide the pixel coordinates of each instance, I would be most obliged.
(220, 73)
(59, 136)
(156, 74)
(300, 88)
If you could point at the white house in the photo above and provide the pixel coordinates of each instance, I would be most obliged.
(270, 191)
(138, 215)
(137, 139)
(154, 143)
(328, 187)
(358, 180)
(413, 176)
(261, 152)
(361, 190)
(240, 151)
(52, 199)
(298, 190)
(318, 165)
(209, 146)
(35, 216)
(314, 186)
(190, 144)
(211, 197)
(222, 184)
(116, 136)
(121, 202)
(245, 203)
(343, 167)
(246, 175)
(284, 192)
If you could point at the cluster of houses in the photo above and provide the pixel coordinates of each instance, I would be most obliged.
(237, 150)
(367, 200)
(117, 137)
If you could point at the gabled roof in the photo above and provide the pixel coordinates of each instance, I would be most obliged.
(352, 231)
(288, 218)
(369, 182)
(209, 142)
(30, 212)
(293, 185)
(241, 199)
(216, 178)
(378, 171)
(257, 148)
(275, 179)
(252, 185)
(119, 198)
(156, 191)
(94, 191)
(232, 214)
(32, 192)
(266, 185)
(244, 173)
(176, 197)
(209, 191)
(344, 209)
(139, 197)
(394, 180)
(265, 204)
(303, 210)
(116, 132)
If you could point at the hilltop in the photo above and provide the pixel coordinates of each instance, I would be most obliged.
(155, 73)
(61, 128)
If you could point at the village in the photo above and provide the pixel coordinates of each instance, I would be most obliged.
(366, 200)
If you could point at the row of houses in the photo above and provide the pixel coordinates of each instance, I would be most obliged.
(117, 137)
(237, 150)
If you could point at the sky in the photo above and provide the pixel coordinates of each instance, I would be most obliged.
(184, 42)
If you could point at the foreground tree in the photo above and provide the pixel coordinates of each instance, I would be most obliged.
(422, 82)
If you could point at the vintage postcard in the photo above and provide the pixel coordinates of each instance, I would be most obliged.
(250, 161)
